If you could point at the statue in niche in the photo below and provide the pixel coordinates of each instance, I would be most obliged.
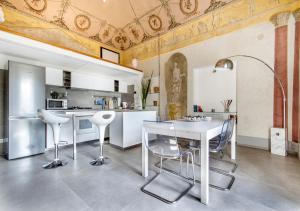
(176, 86)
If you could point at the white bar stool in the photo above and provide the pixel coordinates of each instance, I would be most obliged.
(55, 123)
(102, 119)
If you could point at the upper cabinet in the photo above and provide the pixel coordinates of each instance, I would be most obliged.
(123, 87)
(54, 76)
(83, 81)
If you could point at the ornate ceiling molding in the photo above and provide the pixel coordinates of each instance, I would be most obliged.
(296, 14)
(280, 19)
(234, 16)
(157, 17)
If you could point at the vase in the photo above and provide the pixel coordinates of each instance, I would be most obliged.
(2, 18)
(144, 104)
(135, 63)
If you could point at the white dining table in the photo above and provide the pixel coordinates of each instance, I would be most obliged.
(200, 130)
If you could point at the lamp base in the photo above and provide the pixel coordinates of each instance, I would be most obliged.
(278, 144)
(298, 150)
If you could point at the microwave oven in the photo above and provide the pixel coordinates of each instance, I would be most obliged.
(56, 104)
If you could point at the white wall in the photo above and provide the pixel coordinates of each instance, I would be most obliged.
(211, 88)
(254, 82)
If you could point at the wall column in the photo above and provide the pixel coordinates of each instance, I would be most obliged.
(295, 114)
(280, 22)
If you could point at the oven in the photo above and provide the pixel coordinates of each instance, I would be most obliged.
(56, 104)
(84, 125)
(86, 130)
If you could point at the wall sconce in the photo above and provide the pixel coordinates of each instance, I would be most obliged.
(2, 19)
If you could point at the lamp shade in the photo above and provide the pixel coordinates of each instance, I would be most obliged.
(223, 65)
(2, 19)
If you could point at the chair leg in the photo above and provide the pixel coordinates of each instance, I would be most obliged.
(228, 187)
(180, 171)
(194, 153)
(232, 170)
(161, 163)
(190, 155)
(183, 193)
(193, 169)
(187, 165)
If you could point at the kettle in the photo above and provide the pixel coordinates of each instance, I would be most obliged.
(124, 105)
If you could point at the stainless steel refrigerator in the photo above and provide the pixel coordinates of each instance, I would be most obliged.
(25, 93)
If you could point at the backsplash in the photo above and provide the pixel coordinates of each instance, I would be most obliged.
(85, 98)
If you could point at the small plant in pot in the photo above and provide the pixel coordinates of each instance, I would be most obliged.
(54, 94)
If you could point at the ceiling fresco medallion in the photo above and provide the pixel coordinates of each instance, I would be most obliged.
(155, 22)
(106, 33)
(121, 41)
(188, 7)
(154, 17)
(37, 6)
(82, 22)
(135, 33)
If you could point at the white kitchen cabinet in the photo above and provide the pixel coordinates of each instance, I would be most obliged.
(79, 80)
(126, 129)
(54, 76)
(123, 87)
(104, 84)
(83, 81)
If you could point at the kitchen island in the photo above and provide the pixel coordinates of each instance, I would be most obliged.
(124, 131)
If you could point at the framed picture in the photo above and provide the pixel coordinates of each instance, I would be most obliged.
(109, 55)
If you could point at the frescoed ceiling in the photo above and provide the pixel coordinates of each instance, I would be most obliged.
(118, 23)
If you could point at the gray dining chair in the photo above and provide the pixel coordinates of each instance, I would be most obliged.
(217, 145)
(166, 147)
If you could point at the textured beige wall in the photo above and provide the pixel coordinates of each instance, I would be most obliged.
(237, 15)
(254, 81)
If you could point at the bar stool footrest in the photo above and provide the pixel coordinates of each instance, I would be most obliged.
(100, 161)
(55, 164)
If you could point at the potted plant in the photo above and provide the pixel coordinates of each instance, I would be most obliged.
(146, 83)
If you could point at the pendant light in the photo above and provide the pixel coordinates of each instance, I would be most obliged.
(2, 19)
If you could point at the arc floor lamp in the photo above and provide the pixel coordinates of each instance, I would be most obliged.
(227, 64)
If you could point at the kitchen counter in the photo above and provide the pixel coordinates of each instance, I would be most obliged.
(74, 111)
(124, 131)
(89, 112)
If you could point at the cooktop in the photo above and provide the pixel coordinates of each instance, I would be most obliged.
(79, 108)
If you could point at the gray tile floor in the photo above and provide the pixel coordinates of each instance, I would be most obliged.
(263, 182)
